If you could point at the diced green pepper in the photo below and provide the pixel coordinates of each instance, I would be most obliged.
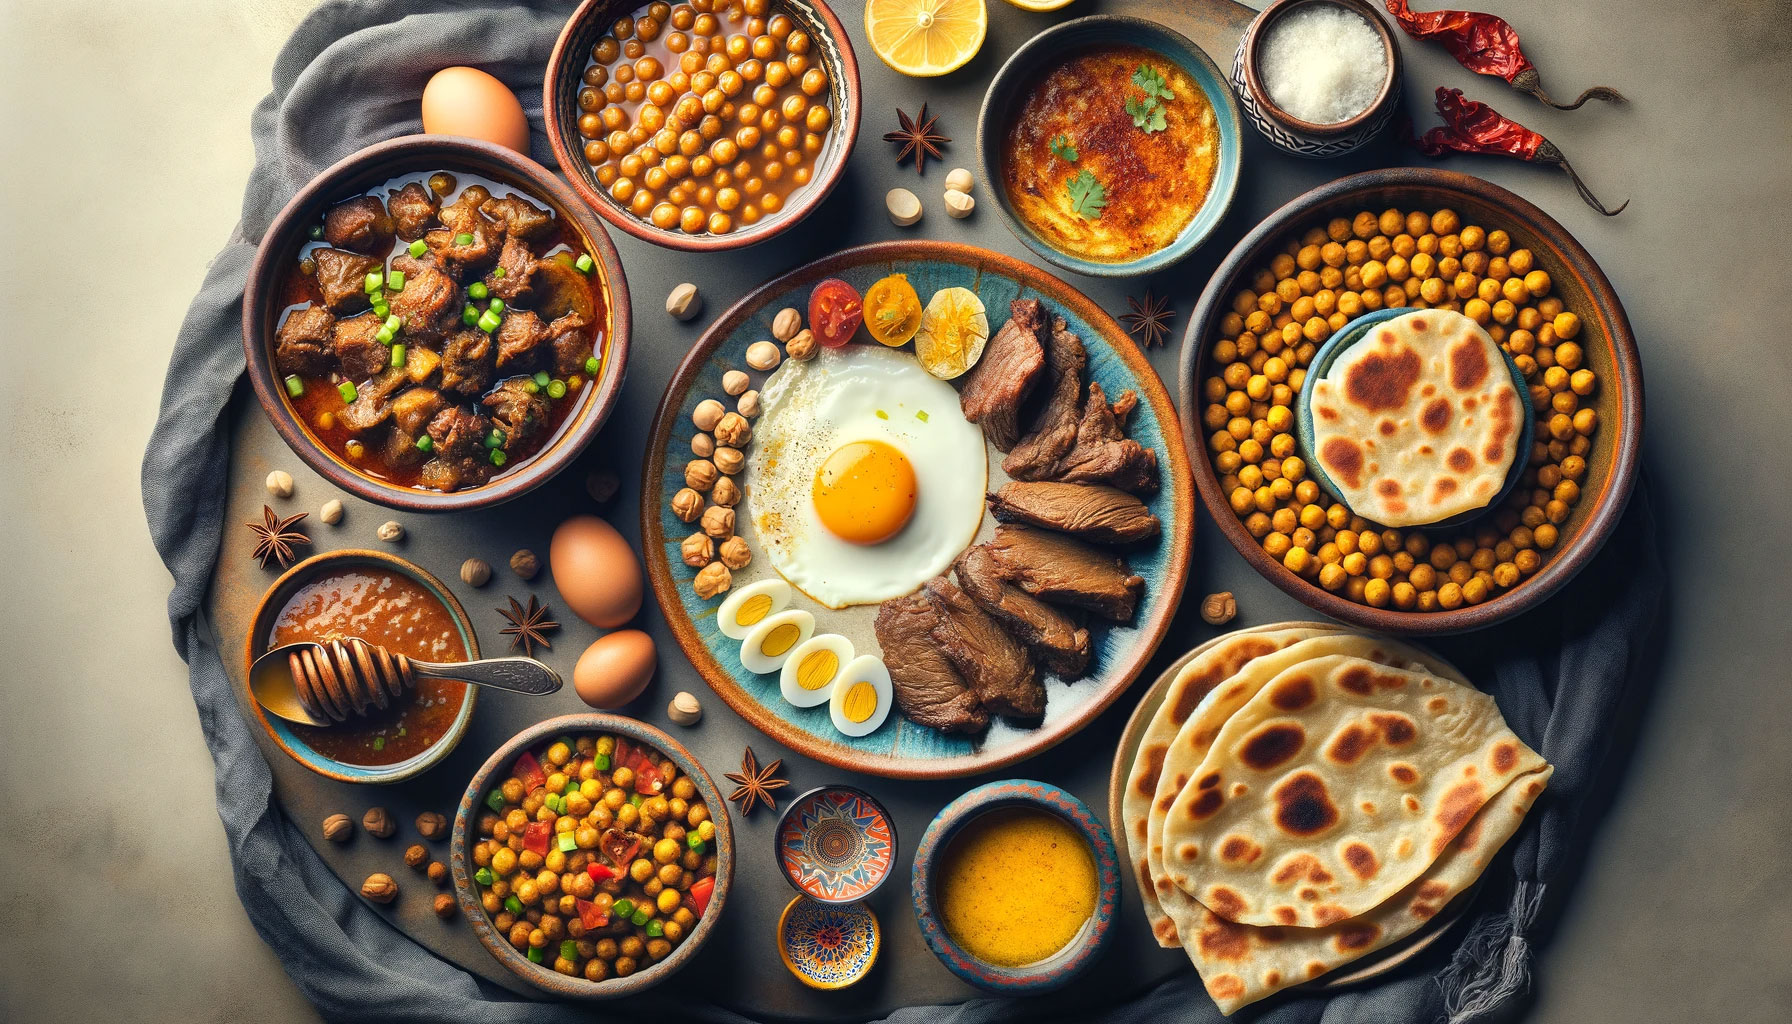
(601, 761)
(567, 842)
(477, 290)
(640, 916)
(425, 443)
(622, 908)
(294, 386)
(694, 841)
(495, 800)
(636, 799)
(484, 876)
(512, 904)
(535, 955)
(584, 263)
(569, 950)
(347, 390)
(655, 929)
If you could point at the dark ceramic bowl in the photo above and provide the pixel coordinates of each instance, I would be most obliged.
(1054, 971)
(1605, 337)
(1021, 71)
(262, 306)
(1344, 340)
(460, 859)
(832, 49)
(1313, 139)
(835, 844)
(281, 731)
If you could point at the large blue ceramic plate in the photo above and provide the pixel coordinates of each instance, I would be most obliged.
(899, 748)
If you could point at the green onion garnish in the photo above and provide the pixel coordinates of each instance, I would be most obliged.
(425, 443)
(489, 321)
(395, 280)
(294, 386)
(531, 387)
(418, 248)
(372, 282)
(347, 390)
(469, 315)
(498, 457)
(380, 309)
(397, 355)
(316, 232)
(379, 743)
(592, 365)
(556, 389)
(542, 378)
(463, 239)
(921, 414)
(498, 272)
(583, 263)
(494, 439)
(393, 323)
(477, 290)
(384, 336)
(497, 306)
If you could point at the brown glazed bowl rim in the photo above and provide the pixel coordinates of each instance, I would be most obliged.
(1260, 95)
(421, 152)
(1606, 315)
(543, 976)
(833, 161)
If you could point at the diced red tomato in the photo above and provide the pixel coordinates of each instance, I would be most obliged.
(537, 836)
(625, 754)
(835, 312)
(701, 890)
(598, 872)
(647, 779)
(529, 773)
(590, 915)
(619, 846)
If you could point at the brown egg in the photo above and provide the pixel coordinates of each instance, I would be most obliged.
(598, 576)
(615, 669)
(470, 103)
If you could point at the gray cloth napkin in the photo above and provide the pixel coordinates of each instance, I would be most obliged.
(351, 76)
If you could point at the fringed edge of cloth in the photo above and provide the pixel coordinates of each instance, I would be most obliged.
(1493, 965)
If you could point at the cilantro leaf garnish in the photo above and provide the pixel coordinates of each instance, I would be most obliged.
(1147, 113)
(1062, 148)
(1151, 83)
(1087, 196)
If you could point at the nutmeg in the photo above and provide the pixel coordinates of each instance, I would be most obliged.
(378, 823)
(379, 888)
(726, 492)
(475, 572)
(280, 483)
(416, 857)
(687, 505)
(525, 564)
(432, 825)
(714, 579)
(391, 531)
(959, 179)
(444, 905)
(718, 522)
(786, 324)
(801, 345)
(438, 873)
(734, 553)
(700, 474)
(763, 355)
(683, 302)
(729, 460)
(331, 513)
(1218, 609)
(698, 550)
(707, 414)
(684, 708)
(702, 445)
(736, 381)
(338, 828)
(748, 405)
(733, 429)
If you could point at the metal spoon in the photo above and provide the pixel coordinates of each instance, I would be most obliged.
(349, 678)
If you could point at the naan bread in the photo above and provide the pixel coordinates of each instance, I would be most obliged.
(1205, 671)
(1419, 420)
(1241, 964)
(1195, 739)
(1333, 788)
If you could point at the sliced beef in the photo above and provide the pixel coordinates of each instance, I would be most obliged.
(460, 459)
(361, 224)
(1103, 453)
(518, 413)
(399, 449)
(428, 302)
(373, 404)
(467, 362)
(519, 338)
(463, 214)
(1059, 568)
(358, 351)
(1051, 430)
(460, 219)
(928, 689)
(1013, 361)
(1106, 515)
(520, 216)
(421, 364)
(518, 266)
(992, 662)
(415, 408)
(572, 344)
(342, 277)
(1056, 639)
(303, 343)
(560, 290)
(413, 211)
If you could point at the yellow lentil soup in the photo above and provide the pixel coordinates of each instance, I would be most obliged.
(1016, 886)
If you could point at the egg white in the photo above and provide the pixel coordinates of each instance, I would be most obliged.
(862, 393)
(728, 615)
(752, 653)
(793, 690)
(867, 668)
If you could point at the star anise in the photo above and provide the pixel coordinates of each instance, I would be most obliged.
(528, 626)
(917, 137)
(756, 783)
(1149, 321)
(277, 537)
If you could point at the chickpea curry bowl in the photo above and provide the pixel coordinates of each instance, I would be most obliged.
(592, 855)
(703, 124)
(436, 323)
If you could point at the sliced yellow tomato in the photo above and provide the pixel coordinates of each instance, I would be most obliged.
(954, 329)
(924, 38)
(892, 310)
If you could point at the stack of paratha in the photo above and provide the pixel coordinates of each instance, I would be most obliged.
(1305, 796)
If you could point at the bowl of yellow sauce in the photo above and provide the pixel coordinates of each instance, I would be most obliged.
(1016, 886)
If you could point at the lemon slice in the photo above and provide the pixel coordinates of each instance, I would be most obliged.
(924, 38)
(954, 329)
(1041, 5)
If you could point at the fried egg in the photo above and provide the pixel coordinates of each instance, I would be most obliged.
(865, 479)
(861, 698)
(809, 674)
(749, 605)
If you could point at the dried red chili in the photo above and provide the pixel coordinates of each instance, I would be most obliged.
(1487, 45)
(1474, 127)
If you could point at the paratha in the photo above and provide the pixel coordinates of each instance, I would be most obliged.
(1333, 788)
(1418, 421)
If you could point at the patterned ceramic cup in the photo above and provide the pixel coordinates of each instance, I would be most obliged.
(836, 844)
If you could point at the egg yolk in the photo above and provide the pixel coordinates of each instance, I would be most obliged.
(860, 702)
(780, 640)
(817, 670)
(753, 609)
(865, 492)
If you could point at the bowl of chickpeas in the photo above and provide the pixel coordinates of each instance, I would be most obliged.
(1412, 238)
(704, 124)
(592, 856)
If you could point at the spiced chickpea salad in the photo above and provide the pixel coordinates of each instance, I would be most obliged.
(1322, 280)
(704, 116)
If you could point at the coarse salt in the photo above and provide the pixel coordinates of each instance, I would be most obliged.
(1322, 64)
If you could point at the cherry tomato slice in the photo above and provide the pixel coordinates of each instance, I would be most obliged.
(835, 312)
(529, 772)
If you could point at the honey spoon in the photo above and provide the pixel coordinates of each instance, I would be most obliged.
(323, 684)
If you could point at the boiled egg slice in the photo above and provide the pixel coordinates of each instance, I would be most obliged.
(768, 646)
(861, 698)
(810, 672)
(748, 607)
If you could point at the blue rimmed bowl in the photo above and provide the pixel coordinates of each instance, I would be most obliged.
(1342, 342)
(828, 946)
(836, 844)
(281, 731)
(1024, 67)
(1082, 951)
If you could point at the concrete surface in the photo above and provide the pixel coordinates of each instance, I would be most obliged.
(125, 135)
